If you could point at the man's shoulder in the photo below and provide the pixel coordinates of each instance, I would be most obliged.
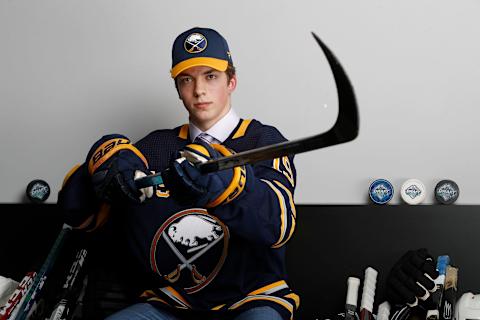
(163, 135)
(163, 139)
(160, 146)
(251, 134)
(266, 133)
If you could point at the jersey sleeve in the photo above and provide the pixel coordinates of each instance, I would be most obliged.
(78, 202)
(265, 211)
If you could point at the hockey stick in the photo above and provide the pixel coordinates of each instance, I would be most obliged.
(352, 297)
(449, 294)
(15, 300)
(33, 293)
(383, 312)
(66, 303)
(368, 294)
(345, 129)
(442, 263)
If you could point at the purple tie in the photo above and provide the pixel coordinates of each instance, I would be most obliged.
(205, 138)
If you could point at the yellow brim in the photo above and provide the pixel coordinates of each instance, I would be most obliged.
(217, 64)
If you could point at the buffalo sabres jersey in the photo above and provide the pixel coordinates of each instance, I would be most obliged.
(223, 259)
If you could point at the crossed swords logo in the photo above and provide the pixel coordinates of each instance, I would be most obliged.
(196, 43)
(187, 263)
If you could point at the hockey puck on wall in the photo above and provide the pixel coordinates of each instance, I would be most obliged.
(380, 191)
(38, 191)
(413, 191)
(446, 192)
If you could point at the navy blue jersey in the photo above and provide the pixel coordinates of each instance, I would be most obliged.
(226, 258)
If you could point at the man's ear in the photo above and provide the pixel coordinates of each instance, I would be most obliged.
(232, 83)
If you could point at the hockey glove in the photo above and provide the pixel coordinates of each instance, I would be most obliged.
(188, 185)
(411, 278)
(114, 164)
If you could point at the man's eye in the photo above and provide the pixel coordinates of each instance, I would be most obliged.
(185, 80)
(211, 76)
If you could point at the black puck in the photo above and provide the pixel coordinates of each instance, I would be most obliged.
(447, 192)
(38, 191)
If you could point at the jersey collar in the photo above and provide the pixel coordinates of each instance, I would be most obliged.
(220, 130)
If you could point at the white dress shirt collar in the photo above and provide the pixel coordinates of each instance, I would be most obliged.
(220, 130)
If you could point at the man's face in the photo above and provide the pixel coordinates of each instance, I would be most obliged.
(205, 93)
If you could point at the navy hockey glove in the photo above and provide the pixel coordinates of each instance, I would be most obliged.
(114, 164)
(411, 278)
(188, 185)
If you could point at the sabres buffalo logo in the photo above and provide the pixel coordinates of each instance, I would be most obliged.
(195, 43)
(189, 249)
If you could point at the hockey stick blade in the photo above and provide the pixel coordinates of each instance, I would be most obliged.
(344, 130)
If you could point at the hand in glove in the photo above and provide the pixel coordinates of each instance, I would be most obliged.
(114, 164)
(190, 186)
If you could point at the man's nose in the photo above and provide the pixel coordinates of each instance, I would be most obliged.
(199, 88)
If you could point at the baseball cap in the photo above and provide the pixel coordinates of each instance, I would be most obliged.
(200, 47)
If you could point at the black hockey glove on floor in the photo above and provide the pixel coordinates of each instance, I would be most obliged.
(411, 278)
(114, 164)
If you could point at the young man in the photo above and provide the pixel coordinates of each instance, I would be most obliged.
(207, 246)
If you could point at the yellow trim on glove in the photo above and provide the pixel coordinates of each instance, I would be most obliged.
(237, 184)
(108, 149)
(199, 148)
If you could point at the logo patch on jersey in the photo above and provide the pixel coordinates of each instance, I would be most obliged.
(195, 43)
(189, 249)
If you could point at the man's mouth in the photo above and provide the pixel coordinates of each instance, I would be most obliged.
(202, 105)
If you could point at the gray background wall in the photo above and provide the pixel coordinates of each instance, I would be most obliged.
(71, 71)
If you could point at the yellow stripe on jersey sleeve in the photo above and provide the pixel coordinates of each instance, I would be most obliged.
(101, 217)
(276, 164)
(294, 213)
(283, 211)
(70, 173)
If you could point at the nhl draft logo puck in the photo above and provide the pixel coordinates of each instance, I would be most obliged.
(38, 191)
(381, 191)
(413, 191)
(446, 192)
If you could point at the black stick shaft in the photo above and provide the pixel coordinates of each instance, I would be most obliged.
(33, 293)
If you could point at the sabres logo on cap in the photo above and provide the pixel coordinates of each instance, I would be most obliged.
(195, 43)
